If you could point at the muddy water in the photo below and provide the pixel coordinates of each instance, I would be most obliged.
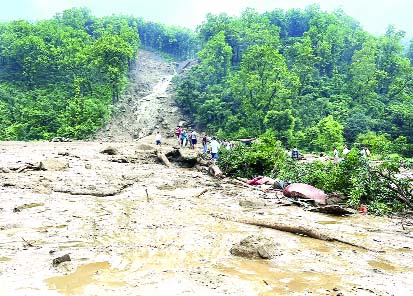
(167, 242)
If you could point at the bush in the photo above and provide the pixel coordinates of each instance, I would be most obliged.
(261, 158)
(379, 186)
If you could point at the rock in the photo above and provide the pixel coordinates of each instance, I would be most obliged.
(333, 210)
(305, 191)
(145, 147)
(253, 204)
(88, 166)
(60, 139)
(27, 206)
(61, 259)
(110, 151)
(53, 165)
(4, 170)
(336, 198)
(255, 247)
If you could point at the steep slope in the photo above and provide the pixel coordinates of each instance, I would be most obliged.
(147, 106)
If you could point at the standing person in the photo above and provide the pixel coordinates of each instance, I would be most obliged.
(178, 132)
(214, 149)
(184, 137)
(194, 139)
(158, 138)
(335, 152)
(294, 153)
(363, 152)
(228, 145)
(204, 144)
(366, 149)
(345, 150)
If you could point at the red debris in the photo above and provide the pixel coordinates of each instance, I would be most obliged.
(260, 181)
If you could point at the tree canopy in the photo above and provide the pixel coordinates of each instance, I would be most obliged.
(317, 79)
(60, 77)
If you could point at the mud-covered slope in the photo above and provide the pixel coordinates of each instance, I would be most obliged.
(147, 105)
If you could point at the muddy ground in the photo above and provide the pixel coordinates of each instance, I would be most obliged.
(140, 228)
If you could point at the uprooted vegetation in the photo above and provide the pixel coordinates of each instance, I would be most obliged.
(378, 184)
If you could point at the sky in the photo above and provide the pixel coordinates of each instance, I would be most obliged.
(373, 15)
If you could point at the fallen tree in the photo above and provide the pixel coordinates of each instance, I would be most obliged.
(295, 229)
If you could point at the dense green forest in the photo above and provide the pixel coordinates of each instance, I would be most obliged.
(60, 77)
(316, 79)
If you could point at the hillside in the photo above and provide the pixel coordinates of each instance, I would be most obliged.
(147, 105)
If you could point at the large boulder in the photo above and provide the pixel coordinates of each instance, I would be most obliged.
(255, 247)
(302, 190)
(53, 165)
(110, 151)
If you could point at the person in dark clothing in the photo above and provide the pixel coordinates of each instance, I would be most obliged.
(294, 153)
(205, 144)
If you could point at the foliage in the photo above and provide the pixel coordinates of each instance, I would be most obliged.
(315, 78)
(258, 159)
(377, 185)
(59, 77)
(362, 182)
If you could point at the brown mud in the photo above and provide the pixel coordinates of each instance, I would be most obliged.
(124, 242)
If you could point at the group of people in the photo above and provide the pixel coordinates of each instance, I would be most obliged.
(364, 153)
(184, 138)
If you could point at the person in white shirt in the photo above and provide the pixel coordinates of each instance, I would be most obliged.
(158, 138)
(214, 149)
(345, 150)
(335, 152)
(194, 139)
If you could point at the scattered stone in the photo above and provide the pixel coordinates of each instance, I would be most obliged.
(256, 204)
(255, 247)
(27, 206)
(60, 139)
(336, 198)
(333, 210)
(54, 165)
(110, 151)
(58, 260)
(145, 147)
(4, 170)
(88, 166)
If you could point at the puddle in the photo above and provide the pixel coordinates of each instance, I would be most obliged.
(98, 273)
(270, 280)
(382, 265)
(4, 259)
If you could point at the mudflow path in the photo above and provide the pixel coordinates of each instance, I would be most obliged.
(132, 226)
(148, 104)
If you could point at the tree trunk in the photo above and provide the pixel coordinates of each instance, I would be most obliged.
(215, 171)
(163, 159)
(300, 230)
